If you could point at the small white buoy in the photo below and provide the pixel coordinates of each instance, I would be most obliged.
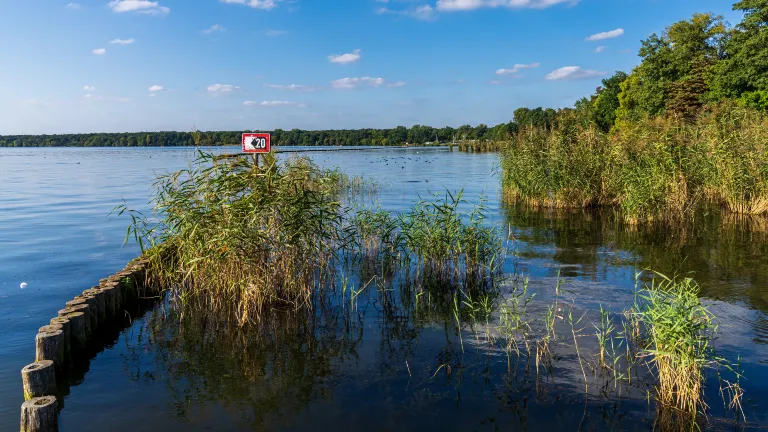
(23, 285)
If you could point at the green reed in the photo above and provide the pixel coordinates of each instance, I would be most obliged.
(651, 169)
(234, 236)
(679, 333)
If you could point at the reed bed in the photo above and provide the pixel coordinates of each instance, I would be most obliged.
(238, 238)
(656, 169)
(233, 236)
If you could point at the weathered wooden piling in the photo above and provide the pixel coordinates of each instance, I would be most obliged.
(83, 307)
(93, 311)
(39, 415)
(100, 302)
(111, 300)
(77, 336)
(38, 379)
(49, 345)
(65, 328)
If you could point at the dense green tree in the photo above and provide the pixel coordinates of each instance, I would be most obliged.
(606, 101)
(669, 58)
(743, 73)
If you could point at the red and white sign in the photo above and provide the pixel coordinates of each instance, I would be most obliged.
(256, 143)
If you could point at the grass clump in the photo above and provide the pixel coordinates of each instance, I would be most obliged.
(447, 249)
(679, 331)
(236, 236)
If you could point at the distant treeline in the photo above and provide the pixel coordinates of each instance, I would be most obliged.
(400, 135)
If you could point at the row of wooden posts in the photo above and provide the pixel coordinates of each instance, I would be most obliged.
(70, 333)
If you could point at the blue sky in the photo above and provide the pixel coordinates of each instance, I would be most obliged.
(138, 65)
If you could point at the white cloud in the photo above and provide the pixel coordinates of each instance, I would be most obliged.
(257, 4)
(74, 6)
(353, 83)
(606, 35)
(100, 51)
(496, 82)
(600, 49)
(89, 88)
(464, 5)
(122, 41)
(572, 73)
(424, 12)
(273, 33)
(345, 58)
(156, 88)
(213, 28)
(516, 68)
(219, 89)
(293, 87)
(281, 103)
(250, 103)
(141, 6)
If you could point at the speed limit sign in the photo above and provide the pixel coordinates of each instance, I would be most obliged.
(256, 143)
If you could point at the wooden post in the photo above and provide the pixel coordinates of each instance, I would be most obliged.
(49, 345)
(39, 415)
(87, 313)
(93, 312)
(100, 302)
(65, 328)
(39, 379)
(110, 290)
(77, 336)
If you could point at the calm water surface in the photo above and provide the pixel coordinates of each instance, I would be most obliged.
(376, 366)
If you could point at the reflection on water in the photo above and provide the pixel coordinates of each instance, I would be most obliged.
(388, 361)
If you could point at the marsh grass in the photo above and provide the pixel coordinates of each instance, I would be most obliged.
(233, 236)
(240, 238)
(655, 169)
(679, 331)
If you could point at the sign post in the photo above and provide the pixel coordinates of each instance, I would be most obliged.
(256, 143)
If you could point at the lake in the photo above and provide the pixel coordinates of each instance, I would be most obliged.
(379, 365)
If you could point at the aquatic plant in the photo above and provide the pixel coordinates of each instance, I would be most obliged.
(445, 248)
(679, 346)
(233, 235)
(659, 168)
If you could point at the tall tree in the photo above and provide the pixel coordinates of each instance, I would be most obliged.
(743, 73)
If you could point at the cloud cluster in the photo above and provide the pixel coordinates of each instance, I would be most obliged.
(464, 5)
(516, 68)
(214, 28)
(423, 12)
(572, 73)
(256, 4)
(220, 89)
(293, 87)
(353, 83)
(122, 41)
(100, 51)
(352, 57)
(140, 6)
(606, 35)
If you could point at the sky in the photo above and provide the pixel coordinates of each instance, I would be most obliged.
(139, 65)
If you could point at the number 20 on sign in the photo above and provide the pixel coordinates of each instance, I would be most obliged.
(256, 143)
